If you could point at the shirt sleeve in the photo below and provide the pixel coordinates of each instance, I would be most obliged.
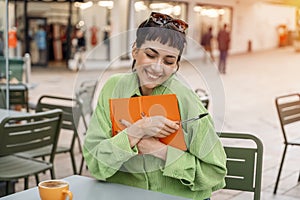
(203, 165)
(103, 153)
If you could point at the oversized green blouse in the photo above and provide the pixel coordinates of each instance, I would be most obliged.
(193, 174)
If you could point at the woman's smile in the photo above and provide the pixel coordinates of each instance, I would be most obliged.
(155, 63)
(152, 75)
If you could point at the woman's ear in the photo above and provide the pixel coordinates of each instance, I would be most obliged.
(134, 51)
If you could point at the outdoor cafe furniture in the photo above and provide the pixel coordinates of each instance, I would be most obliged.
(23, 133)
(288, 110)
(85, 188)
(19, 69)
(16, 68)
(18, 95)
(244, 162)
(75, 111)
(71, 115)
(85, 95)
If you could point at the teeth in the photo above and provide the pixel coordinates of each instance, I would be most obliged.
(153, 76)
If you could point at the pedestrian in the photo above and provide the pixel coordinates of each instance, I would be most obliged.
(106, 39)
(81, 42)
(41, 42)
(206, 42)
(79, 55)
(223, 44)
(135, 156)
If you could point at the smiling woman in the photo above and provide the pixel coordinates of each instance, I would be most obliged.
(135, 156)
(155, 63)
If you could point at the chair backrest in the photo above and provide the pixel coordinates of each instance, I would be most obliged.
(2, 99)
(288, 109)
(16, 66)
(244, 163)
(18, 95)
(71, 109)
(31, 131)
(84, 95)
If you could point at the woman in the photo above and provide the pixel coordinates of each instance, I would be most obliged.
(135, 156)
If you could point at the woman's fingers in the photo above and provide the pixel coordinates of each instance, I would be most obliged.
(171, 125)
(125, 123)
(165, 128)
(155, 126)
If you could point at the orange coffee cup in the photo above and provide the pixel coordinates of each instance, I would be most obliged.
(54, 190)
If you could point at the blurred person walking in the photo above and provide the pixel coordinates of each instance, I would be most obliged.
(223, 44)
(41, 42)
(80, 50)
(206, 42)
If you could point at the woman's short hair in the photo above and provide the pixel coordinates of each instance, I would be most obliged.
(166, 34)
(150, 31)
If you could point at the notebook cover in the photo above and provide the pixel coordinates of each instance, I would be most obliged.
(130, 109)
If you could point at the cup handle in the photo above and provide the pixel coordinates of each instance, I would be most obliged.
(69, 193)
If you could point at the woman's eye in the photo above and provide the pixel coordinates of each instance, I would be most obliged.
(168, 62)
(150, 55)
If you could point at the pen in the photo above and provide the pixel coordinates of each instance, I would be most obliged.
(194, 118)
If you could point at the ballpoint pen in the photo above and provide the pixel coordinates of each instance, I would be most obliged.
(194, 118)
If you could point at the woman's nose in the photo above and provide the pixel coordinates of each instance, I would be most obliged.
(157, 67)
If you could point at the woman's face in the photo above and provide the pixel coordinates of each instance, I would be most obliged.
(155, 63)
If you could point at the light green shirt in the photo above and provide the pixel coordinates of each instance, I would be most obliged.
(194, 173)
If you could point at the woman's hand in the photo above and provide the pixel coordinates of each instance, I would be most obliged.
(155, 126)
(153, 147)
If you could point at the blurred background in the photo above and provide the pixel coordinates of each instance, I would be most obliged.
(255, 25)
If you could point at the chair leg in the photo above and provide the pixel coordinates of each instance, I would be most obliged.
(6, 187)
(73, 162)
(280, 168)
(52, 173)
(26, 183)
(81, 165)
(37, 180)
(9, 187)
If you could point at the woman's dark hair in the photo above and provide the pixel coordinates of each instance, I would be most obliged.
(150, 31)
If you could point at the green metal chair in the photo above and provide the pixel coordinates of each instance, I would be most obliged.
(18, 95)
(71, 115)
(16, 68)
(288, 109)
(244, 163)
(85, 95)
(24, 133)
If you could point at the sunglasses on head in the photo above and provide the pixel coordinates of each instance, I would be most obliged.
(163, 19)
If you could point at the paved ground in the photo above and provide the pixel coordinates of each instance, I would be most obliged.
(250, 86)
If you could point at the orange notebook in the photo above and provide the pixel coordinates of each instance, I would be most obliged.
(130, 109)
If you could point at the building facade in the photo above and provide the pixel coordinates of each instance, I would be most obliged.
(109, 26)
